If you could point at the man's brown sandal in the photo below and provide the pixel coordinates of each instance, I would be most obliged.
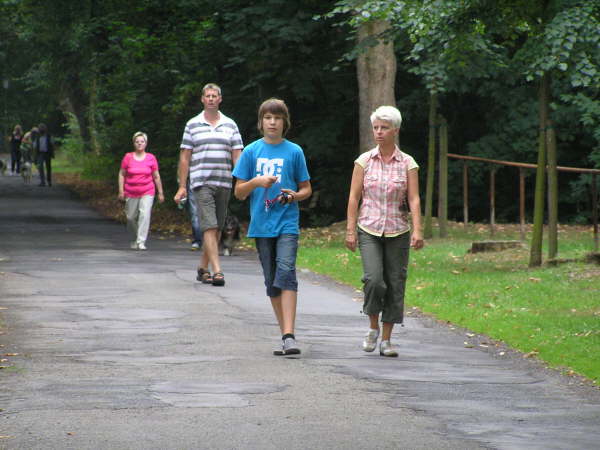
(204, 276)
(218, 279)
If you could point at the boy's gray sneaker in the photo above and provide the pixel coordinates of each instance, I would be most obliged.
(290, 347)
(387, 349)
(370, 342)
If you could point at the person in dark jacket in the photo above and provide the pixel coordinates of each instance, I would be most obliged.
(43, 150)
(15, 154)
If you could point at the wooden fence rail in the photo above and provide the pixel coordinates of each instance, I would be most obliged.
(521, 166)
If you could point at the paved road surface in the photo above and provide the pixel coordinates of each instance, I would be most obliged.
(119, 349)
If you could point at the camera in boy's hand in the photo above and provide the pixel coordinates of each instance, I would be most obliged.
(285, 198)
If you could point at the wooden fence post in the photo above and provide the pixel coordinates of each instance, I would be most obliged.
(595, 210)
(443, 178)
(427, 223)
(493, 201)
(552, 178)
(466, 193)
(522, 202)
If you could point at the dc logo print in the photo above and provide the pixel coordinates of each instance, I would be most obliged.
(271, 167)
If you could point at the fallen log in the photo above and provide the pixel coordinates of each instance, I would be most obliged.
(494, 246)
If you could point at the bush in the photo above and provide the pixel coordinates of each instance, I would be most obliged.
(72, 144)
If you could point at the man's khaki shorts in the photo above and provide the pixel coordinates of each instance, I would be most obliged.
(212, 202)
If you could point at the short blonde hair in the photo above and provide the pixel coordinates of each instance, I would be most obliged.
(387, 114)
(212, 86)
(138, 134)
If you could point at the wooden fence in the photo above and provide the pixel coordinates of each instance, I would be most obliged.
(522, 167)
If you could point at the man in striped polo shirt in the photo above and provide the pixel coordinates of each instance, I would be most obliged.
(210, 148)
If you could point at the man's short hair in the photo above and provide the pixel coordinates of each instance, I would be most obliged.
(213, 86)
(138, 134)
(387, 114)
(277, 107)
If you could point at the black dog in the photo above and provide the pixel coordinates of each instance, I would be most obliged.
(230, 235)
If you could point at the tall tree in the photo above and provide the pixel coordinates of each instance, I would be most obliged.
(535, 257)
(140, 65)
(445, 42)
(277, 48)
(376, 73)
(376, 63)
(450, 48)
(562, 43)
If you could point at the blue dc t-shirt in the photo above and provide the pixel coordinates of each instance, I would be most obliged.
(285, 161)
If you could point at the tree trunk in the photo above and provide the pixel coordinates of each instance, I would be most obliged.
(535, 256)
(376, 72)
(93, 126)
(552, 191)
(76, 99)
(443, 180)
(427, 227)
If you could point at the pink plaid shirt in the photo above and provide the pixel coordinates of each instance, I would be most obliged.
(383, 210)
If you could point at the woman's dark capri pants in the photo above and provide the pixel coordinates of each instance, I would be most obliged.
(385, 261)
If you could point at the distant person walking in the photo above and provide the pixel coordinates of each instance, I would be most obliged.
(139, 180)
(26, 156)
(26, 148)
(210, 147)
(273, 172)
(43, 149)
(15, 147)
(383, 181)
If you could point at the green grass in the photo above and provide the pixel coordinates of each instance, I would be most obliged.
(552, 312)
(89, 166)
(64, 163)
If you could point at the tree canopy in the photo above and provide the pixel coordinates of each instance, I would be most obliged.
(118, 67)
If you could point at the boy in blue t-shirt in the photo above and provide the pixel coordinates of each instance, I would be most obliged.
(272, 171)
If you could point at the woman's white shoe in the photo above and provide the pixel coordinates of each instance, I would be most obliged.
(370, 342)
(387, 349)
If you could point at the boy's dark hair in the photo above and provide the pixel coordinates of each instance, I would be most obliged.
(277, 107)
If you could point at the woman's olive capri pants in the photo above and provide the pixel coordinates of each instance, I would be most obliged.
(385, 261)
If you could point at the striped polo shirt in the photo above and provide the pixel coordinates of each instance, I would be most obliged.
(212, 148)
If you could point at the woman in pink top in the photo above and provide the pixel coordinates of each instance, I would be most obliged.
(384, 180)
(139, 180)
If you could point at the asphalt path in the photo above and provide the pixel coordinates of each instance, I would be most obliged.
(110, 348)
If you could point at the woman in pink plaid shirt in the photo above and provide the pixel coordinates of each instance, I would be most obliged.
(385, 180)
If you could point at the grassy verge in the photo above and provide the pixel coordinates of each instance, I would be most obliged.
(552, 313)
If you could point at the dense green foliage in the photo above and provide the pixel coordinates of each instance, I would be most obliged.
(119, 67)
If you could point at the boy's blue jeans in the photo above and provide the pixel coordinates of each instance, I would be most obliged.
(278, 259)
